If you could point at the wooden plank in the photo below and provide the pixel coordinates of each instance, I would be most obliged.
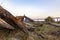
(12, 20)
(54, 24)
(5, 25)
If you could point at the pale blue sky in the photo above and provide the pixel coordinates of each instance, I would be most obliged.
(33, 8)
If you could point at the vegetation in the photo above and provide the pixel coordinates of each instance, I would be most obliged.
(48, 32)
(12, 35)
(45, 32)
(49, 19)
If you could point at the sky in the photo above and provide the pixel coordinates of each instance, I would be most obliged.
(32, 8)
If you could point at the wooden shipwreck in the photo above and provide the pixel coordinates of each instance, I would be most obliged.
(12, 20)
(25, 19)
(28, 21)
(4, 25)
(11, 27)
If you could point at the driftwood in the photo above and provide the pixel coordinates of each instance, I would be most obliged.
(54, 24)
(3, 24)
(10, 19)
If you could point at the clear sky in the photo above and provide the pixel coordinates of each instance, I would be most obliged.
(33, 8)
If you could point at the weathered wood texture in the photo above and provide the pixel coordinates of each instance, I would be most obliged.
(12, 20)
(5, 25)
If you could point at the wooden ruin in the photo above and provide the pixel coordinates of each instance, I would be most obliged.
(5, 25)
(25, 19)
(12, 20)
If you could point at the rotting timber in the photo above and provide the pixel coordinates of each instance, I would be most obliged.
(5, 25)
(12, 20)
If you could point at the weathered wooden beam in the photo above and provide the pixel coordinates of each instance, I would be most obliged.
(10, 19)
(54, 24)
(3, 24)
